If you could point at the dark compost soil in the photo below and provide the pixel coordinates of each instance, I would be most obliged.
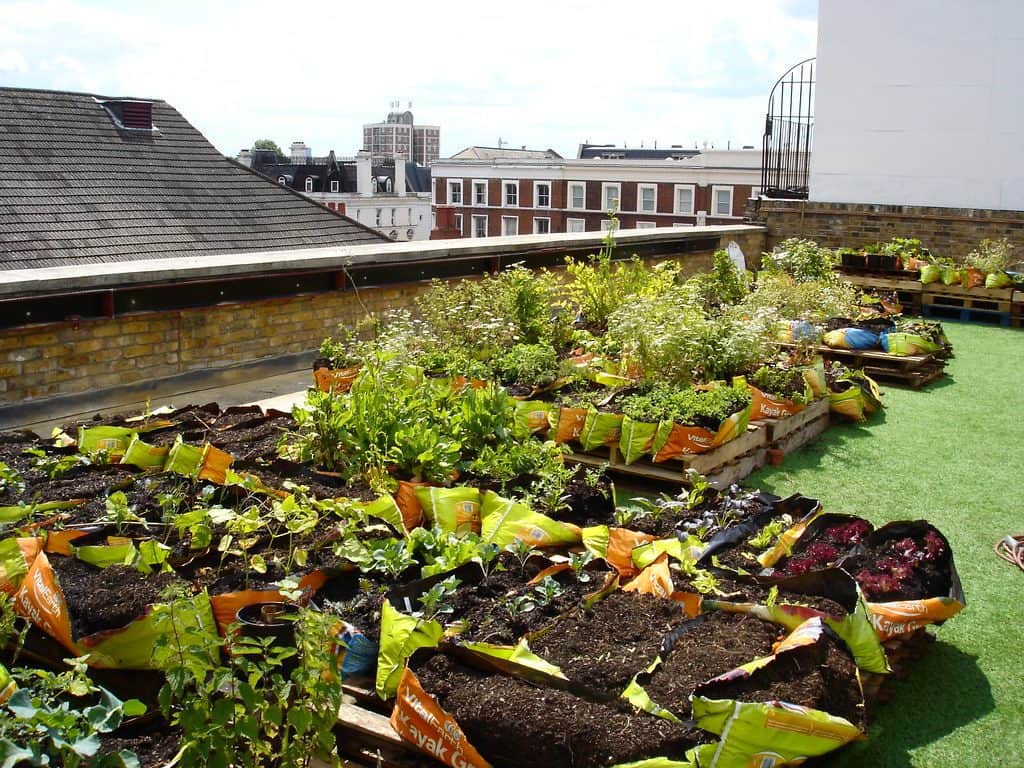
(107, 598)
(154, 743)
(708, 646)
(502, 717)
(828, 683)
(602, 648)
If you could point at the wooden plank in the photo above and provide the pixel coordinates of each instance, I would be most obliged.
(366, 723)
(1018, 298)
(806, 434)
(779, 428)
(883, 283)
(738, 470)
(755, 437)
(997, 294)
(988, 303)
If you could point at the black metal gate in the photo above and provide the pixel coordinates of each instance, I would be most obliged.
(788, 129)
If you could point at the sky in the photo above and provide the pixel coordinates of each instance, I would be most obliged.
(541, 74)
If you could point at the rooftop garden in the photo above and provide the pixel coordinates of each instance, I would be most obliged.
(418, 532)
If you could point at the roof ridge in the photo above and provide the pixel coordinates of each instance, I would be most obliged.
(78, 93)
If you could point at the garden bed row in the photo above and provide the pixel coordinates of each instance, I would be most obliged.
(500, 621)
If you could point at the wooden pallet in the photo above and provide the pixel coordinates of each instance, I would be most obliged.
(709, 464)
(986, 302)
(781, 428)
(913, 370)
(968, 315)
(367, 740)
(729, 463)
(907, 290)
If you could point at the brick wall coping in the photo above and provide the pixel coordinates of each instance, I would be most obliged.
(24, 282)
(894, 211)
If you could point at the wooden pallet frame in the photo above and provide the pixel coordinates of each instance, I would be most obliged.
(967, 315)
(966, 301)
(729, 463)
(912, 370)
(907, 291)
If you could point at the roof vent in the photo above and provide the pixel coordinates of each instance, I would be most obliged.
(130, 114)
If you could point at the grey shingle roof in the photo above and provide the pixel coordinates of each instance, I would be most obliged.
(76, 189)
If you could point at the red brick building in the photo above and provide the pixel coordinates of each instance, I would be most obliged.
(512, 192)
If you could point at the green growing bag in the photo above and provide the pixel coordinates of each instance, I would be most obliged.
(931, 273)
(600, 429)
(505, 520)
(455, 510)
(400, 636)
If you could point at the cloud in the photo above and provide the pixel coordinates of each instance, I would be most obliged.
(12, 61)
(549, 74)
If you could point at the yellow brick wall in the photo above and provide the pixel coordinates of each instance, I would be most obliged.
(96, 354)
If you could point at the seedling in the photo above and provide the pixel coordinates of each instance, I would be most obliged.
(548, 591)
(435, 601)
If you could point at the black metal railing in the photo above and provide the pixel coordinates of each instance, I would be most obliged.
(788, 134)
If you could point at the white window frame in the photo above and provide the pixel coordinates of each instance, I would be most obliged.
(458, 222)
(309, 183)
(640, 198)
(334, 185)
(715, 189)
(681, 224)
(693, 199)
(452, 185)
(646, 224)
(536, 194)
(504, 221)
(482, 182)
(568, 203)
(607, 224)
(473, 223)
(378, 217)
(606, 187)
(536, 220)
(505, 185)
(282, 180)
(570, 223)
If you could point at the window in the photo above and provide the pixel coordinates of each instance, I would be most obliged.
(309, 183)
(479, 226)
(455, 192)
(647, 198)
(646, 225)
(606, 224)
(510, 193)
(575, 225)
(479, 192)
(374, 184)
(610, 196)
(577, 196)
(282, 181)
(379, 210)
(388, 185)
(541, 226)
(334, 186)
(542, 194)
(684, 199)
(510, 225)
(721, 201)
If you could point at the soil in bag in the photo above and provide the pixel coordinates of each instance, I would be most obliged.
(154, 742)
(822, 677)
(512, 724)
(702, 649)
(604, 647)
(108, 598)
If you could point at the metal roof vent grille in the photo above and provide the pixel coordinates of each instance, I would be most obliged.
(130, 114)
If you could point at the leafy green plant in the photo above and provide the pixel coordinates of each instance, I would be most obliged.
(801, 259)
(253, 710)
(10, 480)
(522, 551)
(992, 255)
(118, 511)
(767, 536)
(705, 582)
(435, 601)
(58, 717)
(685, 405)
(55, 466)
(535, 364)
(578, 562)
(725, 284)
(780, 296)
(547, 591)
(392, 558)
(517, 605)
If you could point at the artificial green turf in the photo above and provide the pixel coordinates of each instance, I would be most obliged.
(952, 453)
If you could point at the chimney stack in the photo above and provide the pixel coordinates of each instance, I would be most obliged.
(364, 172)
(400, 176)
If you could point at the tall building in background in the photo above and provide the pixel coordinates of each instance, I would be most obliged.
(399, 136)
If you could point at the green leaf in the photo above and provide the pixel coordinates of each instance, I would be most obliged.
(300, 718)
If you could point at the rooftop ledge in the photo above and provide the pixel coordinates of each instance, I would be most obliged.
(86, 277)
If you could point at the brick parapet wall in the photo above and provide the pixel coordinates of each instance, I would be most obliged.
(89, 355)
(947, 232)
